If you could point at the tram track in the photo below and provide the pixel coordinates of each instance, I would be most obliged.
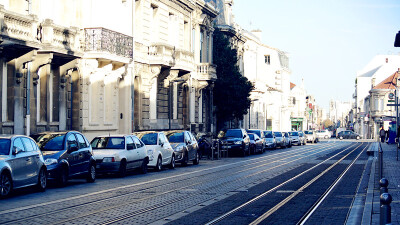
(222, 219)
(253, 163)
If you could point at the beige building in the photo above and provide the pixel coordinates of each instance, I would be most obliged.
(174, 73)
(65, 65)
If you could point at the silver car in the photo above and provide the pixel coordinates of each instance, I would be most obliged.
(279, 139)
(21, 164)
(269, 137)
(294, 136)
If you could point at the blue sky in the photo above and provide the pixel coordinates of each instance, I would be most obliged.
(328, 41)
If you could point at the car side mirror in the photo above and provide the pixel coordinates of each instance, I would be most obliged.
(244, 136)
(16, 150)
(72, 147)
(162, 144)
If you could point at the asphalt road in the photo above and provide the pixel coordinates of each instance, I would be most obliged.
(290, 181)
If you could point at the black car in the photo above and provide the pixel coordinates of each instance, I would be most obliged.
(236, 140)
(348, 134)
(260, 134)
(67, 155)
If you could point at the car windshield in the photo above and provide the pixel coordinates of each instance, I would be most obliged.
(150, 139)
(278, 134)
(294, 134)
(234, 133)
(255, 132)
(5, 146)
(176, 137)
(269, 135)
(251, 136)
(108, 143)
(50, 142)
(308, 132)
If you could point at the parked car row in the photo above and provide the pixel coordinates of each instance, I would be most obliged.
(246, 142)
(60, 156)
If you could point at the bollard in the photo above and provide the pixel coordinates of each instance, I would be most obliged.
(380, 159)
(383, 183)
(385, 210)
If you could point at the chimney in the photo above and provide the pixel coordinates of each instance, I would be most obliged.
(373, 82)
(387, 60)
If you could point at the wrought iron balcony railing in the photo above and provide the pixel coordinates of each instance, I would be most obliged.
(104, 40)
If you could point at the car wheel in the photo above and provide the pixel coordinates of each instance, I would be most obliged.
(122, 168)
(42, 180)
(63, 179)
(172, 163)
(358, 138)
(326, 137)
(341, 138)
(159, 164)
(91, 177)
(143, 167)
(185, 159)
(5, 185)
(196, 159)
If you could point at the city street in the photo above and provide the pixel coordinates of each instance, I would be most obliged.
(298, 182)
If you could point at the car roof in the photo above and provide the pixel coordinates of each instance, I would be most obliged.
(114, 135)
(10, 136)
(174, 131)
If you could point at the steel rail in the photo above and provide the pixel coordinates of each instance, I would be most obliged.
(224, 216)
(163, 193)
(252, 161)
(327, 192)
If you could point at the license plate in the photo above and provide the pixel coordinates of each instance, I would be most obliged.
(226, 146)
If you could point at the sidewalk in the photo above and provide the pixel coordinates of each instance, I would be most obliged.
(391, 171)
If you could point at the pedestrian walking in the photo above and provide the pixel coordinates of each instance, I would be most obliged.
(382, 134)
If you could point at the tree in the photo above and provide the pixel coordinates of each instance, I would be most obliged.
(232, 89)
(327, 123)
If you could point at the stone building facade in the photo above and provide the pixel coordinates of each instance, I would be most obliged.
(65, 66)
(71, 67)
(174, 74)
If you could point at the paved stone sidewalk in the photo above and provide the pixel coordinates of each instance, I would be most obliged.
(391, 171)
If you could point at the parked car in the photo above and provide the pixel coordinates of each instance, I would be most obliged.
(256, 143)
(185, 146)
(159, 149)
(323, 134)
(260, 134)
(270, 142)
(287, 139)
(279, 139)
(311, 136)
(348, 134)
(21, 164)
(236, 140)
(302, 138)
(67, 155)
(295, 138)
(119, 154)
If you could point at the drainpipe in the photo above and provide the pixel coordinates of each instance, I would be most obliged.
(133, 70)
(28, 99)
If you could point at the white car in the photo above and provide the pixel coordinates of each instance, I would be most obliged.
(324, 134)
(119, 153)
(159, 149)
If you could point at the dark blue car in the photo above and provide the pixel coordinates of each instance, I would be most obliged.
(67, 155)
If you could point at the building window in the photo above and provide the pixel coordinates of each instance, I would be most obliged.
(267, 59)
(201, 46)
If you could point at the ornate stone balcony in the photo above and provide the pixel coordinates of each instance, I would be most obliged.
(103, 41)
(161, 54)
(18, 28)
(184, 60)
(206, 71)
(58, 38)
